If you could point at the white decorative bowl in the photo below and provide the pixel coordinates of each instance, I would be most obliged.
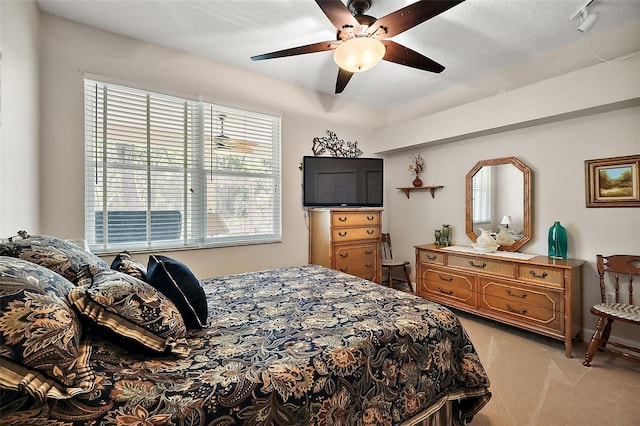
(485, 248)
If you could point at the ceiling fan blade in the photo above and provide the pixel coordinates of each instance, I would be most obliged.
(404, 56)
(338, 14)
(343, 78)
(300, 50)
(410, 16)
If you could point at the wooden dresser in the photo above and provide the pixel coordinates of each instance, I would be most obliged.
(346, 239)
(542, 295)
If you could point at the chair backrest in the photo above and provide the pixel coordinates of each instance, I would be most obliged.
(622, 269)
(387, 253)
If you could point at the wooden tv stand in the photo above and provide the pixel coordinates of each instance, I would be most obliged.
(540, 294)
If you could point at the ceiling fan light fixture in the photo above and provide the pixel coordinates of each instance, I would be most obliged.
(359, 54)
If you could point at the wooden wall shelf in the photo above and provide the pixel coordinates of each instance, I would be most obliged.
(432, 189)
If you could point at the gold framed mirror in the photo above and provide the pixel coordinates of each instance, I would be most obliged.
(498, 198)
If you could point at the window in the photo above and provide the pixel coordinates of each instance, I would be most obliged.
(166, 172)
(482, 200)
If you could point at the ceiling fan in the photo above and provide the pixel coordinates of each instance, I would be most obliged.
(223, 142)
(363, 41)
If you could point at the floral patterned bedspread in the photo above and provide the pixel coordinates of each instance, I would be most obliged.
(298, 345)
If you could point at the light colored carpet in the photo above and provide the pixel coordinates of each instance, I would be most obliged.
(533, 383)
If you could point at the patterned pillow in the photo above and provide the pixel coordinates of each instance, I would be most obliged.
(130, 308)
(41, 349)
(175, 280)
(125, 263)
(53, 253)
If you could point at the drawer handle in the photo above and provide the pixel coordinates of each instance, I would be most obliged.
(368, 265)
(370, 217)
(533, 274)
(515, 311)
(342, 234)
(477, 266)
(443, 278)
(368, 252)
(343, 255)
(344, 269)
(522, 296)
(370, 231)
(447, 292)
(434, 257)
(342, 218)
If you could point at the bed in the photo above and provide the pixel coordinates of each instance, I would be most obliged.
(300, 345)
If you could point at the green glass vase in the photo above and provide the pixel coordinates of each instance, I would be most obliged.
(446, 235)
(557, 241)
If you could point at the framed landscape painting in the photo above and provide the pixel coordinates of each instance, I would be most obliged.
(613, 182)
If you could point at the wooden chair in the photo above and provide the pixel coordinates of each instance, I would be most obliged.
(389, 263)
(617, 271)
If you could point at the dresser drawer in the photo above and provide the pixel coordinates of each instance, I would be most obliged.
(482, 265)
(434, 257)
(351, 234)
(359, 260)
(368, 272)
(355, 254)
(545, 298)
(527, 304)
(453, 286)
(541, 275)
(342, 219)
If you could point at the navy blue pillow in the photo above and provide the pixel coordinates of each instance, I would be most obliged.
(176, 281)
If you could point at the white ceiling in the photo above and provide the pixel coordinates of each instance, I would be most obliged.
(474, 38)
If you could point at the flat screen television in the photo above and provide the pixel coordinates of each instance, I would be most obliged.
(342, 182)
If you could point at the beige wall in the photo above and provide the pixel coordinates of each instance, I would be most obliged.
(19, 139)
(602, 87)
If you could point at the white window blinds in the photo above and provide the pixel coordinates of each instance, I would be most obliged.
(166, 172)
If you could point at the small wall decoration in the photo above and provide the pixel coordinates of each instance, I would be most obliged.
(336, 147)
(613, 182)
(416, 166)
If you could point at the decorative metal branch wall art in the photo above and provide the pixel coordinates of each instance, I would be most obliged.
(335, 146)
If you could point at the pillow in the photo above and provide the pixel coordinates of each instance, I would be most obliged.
(41, 350)
(124, 263)
(130, 308)
(178, 283)
(53, 253)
